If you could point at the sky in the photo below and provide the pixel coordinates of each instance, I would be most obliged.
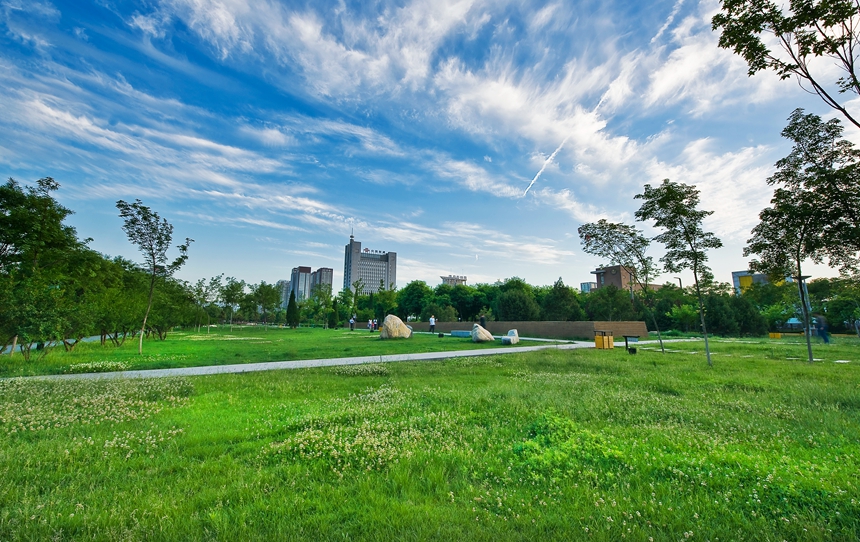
(471, 137)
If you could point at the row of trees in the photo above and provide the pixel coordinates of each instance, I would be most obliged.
(53, 288)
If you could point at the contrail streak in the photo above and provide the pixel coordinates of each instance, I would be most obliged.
(546, 163)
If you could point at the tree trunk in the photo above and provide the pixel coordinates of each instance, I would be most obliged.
(146, 315)
(805, 313)
(702, 318)
(14, 344)
(654, 320)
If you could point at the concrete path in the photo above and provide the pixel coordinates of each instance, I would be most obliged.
(306, 363)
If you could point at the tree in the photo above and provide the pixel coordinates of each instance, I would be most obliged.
(803, 31)
(560, 303)
(267, 297)
(609, 303)
(517, 305)
(152, 236)
(386, 302)
(684, 316)
(814, 210)
(673, 207)
(173, 305)
(231, 293)
(465, 301)
(206, 293)
(623, 245)
(293, 311)
(333, 315)
(319, 304)
(787, 235)
(824, 170)
(35, 252)
(412, 298)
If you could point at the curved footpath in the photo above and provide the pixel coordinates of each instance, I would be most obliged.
(306, 363)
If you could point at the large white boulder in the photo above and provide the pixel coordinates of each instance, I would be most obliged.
(394, 328)
(481, 335)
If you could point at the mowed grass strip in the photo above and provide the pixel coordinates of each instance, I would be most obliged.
(220, 346)
(553, 445)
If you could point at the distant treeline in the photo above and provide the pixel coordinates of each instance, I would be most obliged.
(55, 290)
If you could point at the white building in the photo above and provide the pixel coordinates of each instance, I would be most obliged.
(372, 267)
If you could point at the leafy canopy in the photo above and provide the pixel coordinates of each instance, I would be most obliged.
(801, 32)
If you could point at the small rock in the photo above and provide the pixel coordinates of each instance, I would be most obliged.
(513, 337)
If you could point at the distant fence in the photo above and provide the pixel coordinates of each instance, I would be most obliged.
(550, 330)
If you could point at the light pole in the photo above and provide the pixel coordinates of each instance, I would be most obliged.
(681, 286)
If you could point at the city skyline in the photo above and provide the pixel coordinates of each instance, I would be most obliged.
(471, 137)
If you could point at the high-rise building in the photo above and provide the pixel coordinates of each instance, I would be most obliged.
(303, 281)
(586, 287)
(453, 280)
(372, 267)
(322, 277)
(284, 289)
(300, 282)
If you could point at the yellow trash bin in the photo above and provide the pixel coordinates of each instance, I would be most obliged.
(603, 339)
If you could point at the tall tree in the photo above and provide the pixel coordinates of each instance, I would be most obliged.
(815, 209)
(624, 245)
(152, 235)
(560, 303)
(267, 297)
(518, 305)
(205, 293)
(824, 168)
(609, 303)
(787, 235)
(674, 208)
(231, 293)
(35, 252)
(293, 311)
(412, 298)
(788, 39)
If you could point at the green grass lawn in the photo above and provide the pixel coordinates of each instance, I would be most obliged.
(220, 346)
(562, 445)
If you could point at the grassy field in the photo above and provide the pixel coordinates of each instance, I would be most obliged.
(562, 445)
(220, 346)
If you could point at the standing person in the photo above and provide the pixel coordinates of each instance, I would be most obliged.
(821, 328)
(432, 324)
(352, 324)
(484, 321)
(370, 325)
(375, 324)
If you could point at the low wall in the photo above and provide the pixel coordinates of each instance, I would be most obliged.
(550, 330)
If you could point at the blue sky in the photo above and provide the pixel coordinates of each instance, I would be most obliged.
(267, 131)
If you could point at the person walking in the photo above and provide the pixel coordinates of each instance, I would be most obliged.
(821, 328)
(352, 324)
(370, 325)
(432, 324)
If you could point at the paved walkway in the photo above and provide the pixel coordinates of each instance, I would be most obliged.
(306, 363)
